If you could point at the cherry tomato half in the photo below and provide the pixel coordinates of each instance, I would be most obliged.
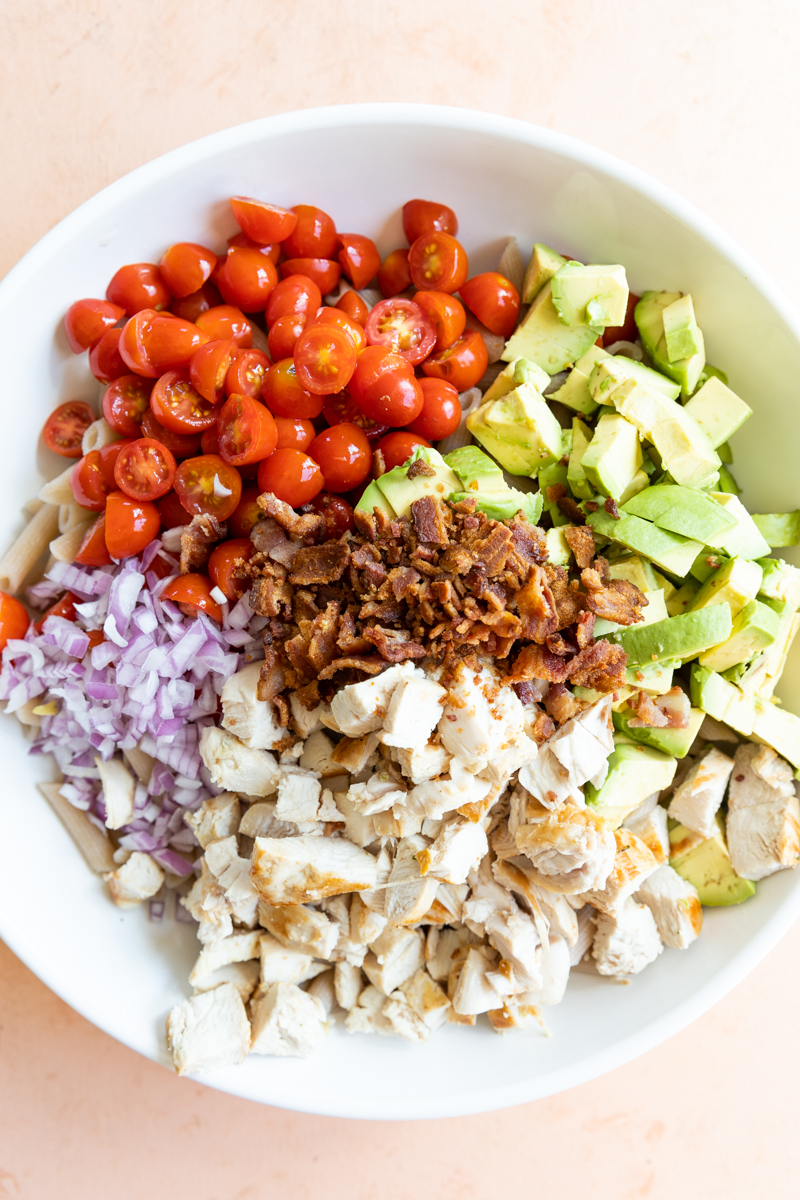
(222, 567)
(130, 525)
(64, 429)
(144, 469)
(344, 456)
(398, 447)
(152, 343)
(209, 368)
(172, 513)
(438, 263)
(246, 278)
(93, 551)
(294, 433)
(246, 513)
(93, 477)
(247, 373)
(137, 286)
(105, 361)
(421, 217)
(334, 316)
(87, 320)
(64, 607)
(223, 322)
(209, 485)
(402, 325)
(209, 442)
(271, 249)
(283, 334)
(314, 235)
(190, 307)
(285, 396)
(494, 301)
(14, 619)
(338, 514)
(359, 258)
(186, 266)
(263, 222)
(441, 410)
(293, 295)
(323, 271)
(384, 388)
(324, 358)
(395, 275)
(627, 332)
(182, 445)
(179, 406)
(446, 314)
(291, 476)
(352, 304)
(246, 431)
(463, 364)
(125, 401)
(192, 594)
(342, 408)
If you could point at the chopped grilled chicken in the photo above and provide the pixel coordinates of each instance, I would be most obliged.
(136, 880)
(408, 895)
(478, 720)
(446, 948)
(322, 987)
(423, 761)
(234, 766)
(119, 787)
(253, 721)
(238, 947)
(394, 957)
(300, 928)
(305, 721)
(516, 939)
(281, 965)
(216, 818)
(404, 1021)
(633, 863)
(348, 983)
(316, 756)
(575, 755)
(570, 850)
(353, 755)
(586, 932)
(366, 925)
(674, 903)
(304, 869)
(555, 966)
(358, 827)
(361, 708)
(626, 941)
(473, 993)
(367, 1016)
(440, 796)
(414, 712)
(242, 975)
(287, 1022)
(328, 809)
(377, 794)
(763, 826)
(651, 827)
(426, 998)
(299, 794)
(516, 876)
(209, 1030)
(457, 850)
(513, 1015)
(232, 873)
(696, 800)
(208, 905)
(260, 821)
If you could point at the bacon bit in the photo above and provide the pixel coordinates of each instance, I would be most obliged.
(309, 695)
(536, 607)
(542, 728)
(272, 680)
(492, 552)
(270, 596)
(676, 707)
(370, 666)
(428, 515)
(378, 464)
(420, 467)
(600, 666)
(591, 506)
(526, 692)
(584, 629)
(558, 644)
(537, 662)
(394, 645)
(561, 704)
(610, 505)
(555, 492)
(571, 510)
(568, 599)
(307, 527)
(198, 539)
(322, 643)
(320, 564)
(647, 715)
(580, 539)
(613, 599)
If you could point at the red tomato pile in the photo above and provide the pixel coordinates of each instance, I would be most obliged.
(208, 419)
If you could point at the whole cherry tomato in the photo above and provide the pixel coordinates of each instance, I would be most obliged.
(261, 221)
(179, 406)
(247, 373)
(324, 358)
(209, 368)
(105, 361)
(283, 334)
(246, 431)
(438, 263)
(314, 235)
(192, 593)
(294, 433)
(441, 410)
(186, 266)
(341, 407)
(334, 316)
(627, 332)
(445, 313)
(93, 477)
(324, 271)
(87, 320)
(338, 514)
(125, 401)
(293, 295)
(64, 429)
(223, 322)
(152, 343)
(144, 469)
(172, 513)
(246, 513)
(182, 445)
(137, 286)
(402, 325)
(246, 278)
(14, 619)
(271, 249)
(398, 447)
(494, 300)
(352, 304)
(284, 394)
(384, 388)
(395, 274)
(208, 485)
(421, 217)
(359, 258)
(463, 364)
(190, 307)
(224, 563)
(93, 551)
(130, 525)
(291, 476)
(344, 456)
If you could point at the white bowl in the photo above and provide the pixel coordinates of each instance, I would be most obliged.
(360, 163)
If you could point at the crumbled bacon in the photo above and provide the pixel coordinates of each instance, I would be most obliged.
(568, 599)
(537, 662)
(492, 552)
(536, 607)
(610, 505)
(198, 539)
(580, 539)
(394, 645)
(421, 467)
(319, 564)
(308, 527)
(428, 515)
(612, 599)
(561, 704)
(646, 713)
(368, 666)
(600, 666)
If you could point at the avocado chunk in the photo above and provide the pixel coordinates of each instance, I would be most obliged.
(649, 317)
(723, 449)
(706, 863)
(550, 476)
(677, 637)
(649, 377)
(682, 336)
(681, 510)
(503, 505)
(722, 700)
(519, 430)
(718, 411)
(639, 482)
(706, 563)
(613, 456)
(519, 370)
(652, 677)
(615, 369)
(735, 583)
(743, 538)
(558, 550)
(636, 570)
(574, 391)
(779, 529)
(670, 551)
(374, 498)
(779, 729)
(754, 628)
(590, 295)
(780, 581)
(545, 340)
(543, 265)
(676, 742)
(727, 483)
(475, 470)
(634, 773)
(576, 476)
(401, 492)
(682, 599)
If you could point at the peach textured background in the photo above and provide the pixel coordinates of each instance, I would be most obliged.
(704, 96)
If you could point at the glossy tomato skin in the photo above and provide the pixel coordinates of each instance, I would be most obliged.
(208, 369)
(341, 407)
(627, 332)
(271, 249)
(421, 217)
(247, 373)
(398, 447)
(64, 607)
(192, 593)
(290, 475)
(125, 401)
(246, 431)
(463, 364)
(64, 429)
(171, 511)
(441, 410)
(178, 406)
(152, 343)
(323, 271)
(137, 286)
(438, 263)
(105, 361)
(355, 308)
(284, 394)
(446, 314)
(186, 266)
(338, 514)
(494, 301)
(246, 278)
(314, 234)
(225, 321)
(283, 334)
(190, 307)
(14, 619)
(93, 551)
(246, 513)
(130, 525)
(294, 433)
(93, 477)
(394, 275)
(87, 320)
(222, 567)
(324, 358)
(209, 485)
(294, 294)
(145, 469)
(384, 388)
(402, 325)
(334, 316)
(182, 445)
(359, 258)
(344, 456)
(262, 222)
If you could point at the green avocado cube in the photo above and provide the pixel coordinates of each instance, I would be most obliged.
(649, 377)
(649, 317)
(676, 742)
(543, 265)
(681, 333)
(576, 476)
(550, 476)
(504, 505)
(780, 581)
(634, 773)
(519, 370)
(635, 570)
(723, 449)
(673, 553)
(718, 411)
(722, 700)
(545, 340)
(374, 498)
(558, 551)
(613, 456)
(475, 470)
(727, 483)
(735, 583)
(678, 637)
(706, 563)
(754, 628)
(681, 510)
(401, 492)
(706, 863)
(743, 539)
(519, 430)
(779, 529)
(779, 729)
(574, 391)
(590, 295)
(655, 678)
(681, 600)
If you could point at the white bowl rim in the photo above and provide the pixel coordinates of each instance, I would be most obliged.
(662, 196)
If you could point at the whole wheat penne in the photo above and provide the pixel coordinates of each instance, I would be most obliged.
(70, 515)
(58, 490)
(32, 506)
(66, 546)
(98, 434)
(18, 560)
(95, 846)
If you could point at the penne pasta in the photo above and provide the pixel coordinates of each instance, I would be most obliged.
(95, 846)
(99, 434)
(19, 559)
(31, 507)
(70, 515)
(66, 546)
(58, 490)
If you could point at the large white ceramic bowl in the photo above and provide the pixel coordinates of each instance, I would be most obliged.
(360, 163)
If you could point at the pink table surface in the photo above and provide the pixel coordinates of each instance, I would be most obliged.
(705, 97)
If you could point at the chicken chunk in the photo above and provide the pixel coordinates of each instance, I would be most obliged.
(208, 1031)
(427, 999)
(119, 787)
(697, 799)
(136, 880)
(234, 766)
(281, 965)
(440, 796)
(586, 932)
(457, 850)
(473, 992)
(287, 1022)
(299, 928)
(408, 894)
(414, 712)
(366, 925)
(423, 761)
(404, 1021)
(763, 826)
(216, 818)
(577, 754)
(316, 756)
(238, 947)
(555, 968)
(674, 903)
(232, 873)
(651, 827)
(367, 1016)
(633, 863)
(260, 821)
(626, 941)
(394, 957)
(361, 708)
(304, 869)
(253, 721)
(353, 755)
(348, 983)
(298, 796)
(446, 949)
(478, 720)
(305, 721)
(570, 850)
(243, 976)
(517, 877)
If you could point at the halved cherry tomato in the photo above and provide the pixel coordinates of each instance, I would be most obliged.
(223, 322)
(294, 433)
(182, 445)
(64, 607)
(246, 431)
(421, 217)
(209, 485)
(93, 477)
(246, 278)
(125, 401)
(247, 373)
(192, 594)
(179, 406)
(145, 469)
(395, 274)
(152, 343)
(137, 286)
(323, 271)
(494, 301)
(324, 358)
(293, 295)
(271, 249)
(359, 258)
(130, 525)
(463, 364)
(93, 550)
(222, 567)
(352, 304)
(384, 388)
(209, 368)
(186, 266)
(403, 325)
(441, 410)
(283, 334)
(398, 447)
(334, 316)
(105, 361)
(445, 313)
(344, 456)
(341, 407)
(64, 429)
(246, 513)
(190, 307)
(14, 619)
(438, 263)
(284, 394)
(627, 332)
(338, 514)
(314, 235)
(261, 221)
(209, 442)
(291, 476)
(172, 512)
(87, 320)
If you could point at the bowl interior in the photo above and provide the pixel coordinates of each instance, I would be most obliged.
(360, 164)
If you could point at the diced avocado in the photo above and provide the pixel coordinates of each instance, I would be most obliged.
(649, 317)
(781, 581)
(655, 610)
(677, 637)
(727, 483)
(635, 570)
(591, 696)
(574, 391)
(779, 529)
(669, 588)
(649, 377)
(760, 677)
(742, 539)
(652, 677)
(722, 700)
(503, 505)
(754, 628)
(612, 371)
(519, 370)
(374, 498)
(723, 449)
(634, 773)
(706, 563)
(677, 742)
(590, 295)
(709, 372)
(706, 863)
(681, 600)
(779, 729)
(401, 492)
(558, 549)
(735, 583)
(718, 411)
(682, 336)
(545, 340)
(576, 476)
(613, 457)
(543, 265)
(639, 482)
(681, 510)
(519, 430)
(550, 476)
(475, 470)
(670, 551)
